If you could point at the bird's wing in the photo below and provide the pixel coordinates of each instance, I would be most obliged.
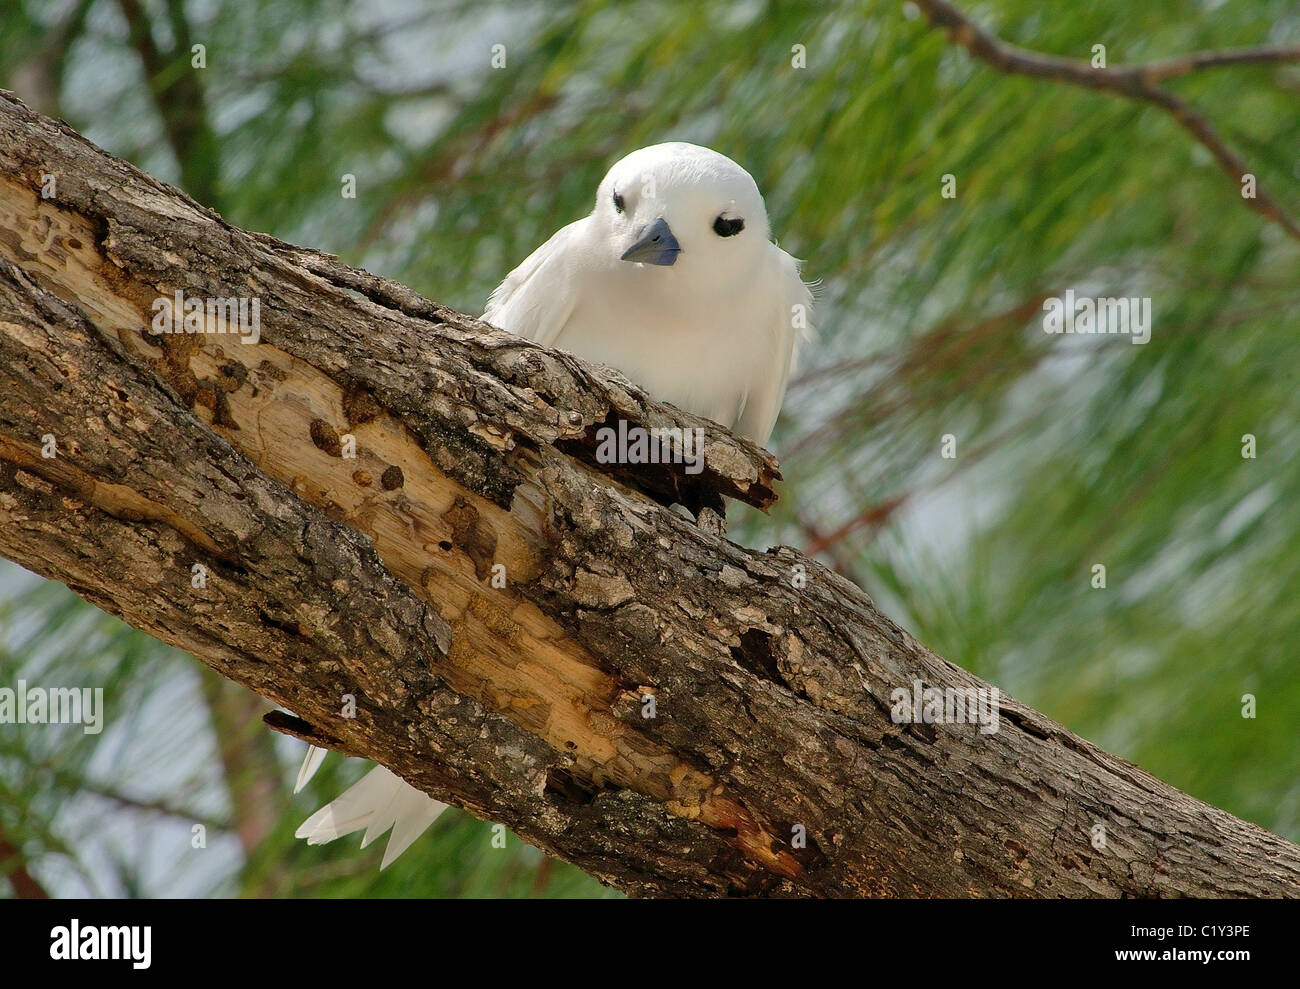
(791, 325)
(537, 298)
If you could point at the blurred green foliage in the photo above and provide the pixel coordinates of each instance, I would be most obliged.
(1072, 451)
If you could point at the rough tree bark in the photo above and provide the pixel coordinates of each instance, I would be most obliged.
(372, 576)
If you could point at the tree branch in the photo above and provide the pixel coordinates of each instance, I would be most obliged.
(178, 97)
(772, 765)
(14, 867)
(1183, 65)
(1137, 81)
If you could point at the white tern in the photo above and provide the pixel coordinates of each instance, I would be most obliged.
(673, 279)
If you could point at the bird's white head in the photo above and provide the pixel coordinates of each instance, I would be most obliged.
(685, 210)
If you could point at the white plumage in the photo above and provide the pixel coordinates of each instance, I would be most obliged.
(378, 801)
(713, 326)
(672, 279)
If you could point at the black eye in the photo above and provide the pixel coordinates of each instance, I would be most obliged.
(618, 203)
(728, 228)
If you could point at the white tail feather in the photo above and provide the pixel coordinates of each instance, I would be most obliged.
(378, 801)
(315, 756)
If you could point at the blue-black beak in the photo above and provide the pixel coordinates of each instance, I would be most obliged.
(656, 246)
